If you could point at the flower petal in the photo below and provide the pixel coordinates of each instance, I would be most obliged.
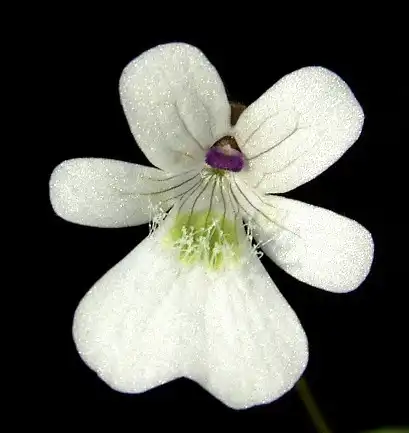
(297, 129)
(152, 319)
(314, 245)
(256, 347)
(108, 193)
(175, 104)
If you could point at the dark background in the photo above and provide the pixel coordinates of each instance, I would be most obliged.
(357, 340)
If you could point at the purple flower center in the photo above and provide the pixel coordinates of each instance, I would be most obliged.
(225, 155)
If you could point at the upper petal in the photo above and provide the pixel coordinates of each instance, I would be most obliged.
(175, 104)
(297, 129)
(151, 319)
(108, 193)
(314, 245)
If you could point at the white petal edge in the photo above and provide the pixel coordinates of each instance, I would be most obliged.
(175, 104)
(297, 129)
(314, 245)
(109, 193)
(151, 319)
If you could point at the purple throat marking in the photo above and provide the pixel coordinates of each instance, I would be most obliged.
(225, 155)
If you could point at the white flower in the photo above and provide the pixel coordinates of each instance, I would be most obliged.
(193, 299)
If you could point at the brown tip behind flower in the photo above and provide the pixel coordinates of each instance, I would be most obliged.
(236, 110)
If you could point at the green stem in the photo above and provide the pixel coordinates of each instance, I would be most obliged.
(311, 406)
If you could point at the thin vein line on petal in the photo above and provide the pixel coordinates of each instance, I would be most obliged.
(294, 160)
(194, 188)
(184, 192)
(224, 202)
(257, 129)
(186, 127)
(211, 202)
(196, 199)
(236, 212)
(209, 114)
(170, 177)
(269, 173)
(260, 211)
(171, 188)
(275, 145)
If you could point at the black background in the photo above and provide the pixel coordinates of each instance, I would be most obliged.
(357, 340)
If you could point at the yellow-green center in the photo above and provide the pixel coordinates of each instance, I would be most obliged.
(204, 236)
